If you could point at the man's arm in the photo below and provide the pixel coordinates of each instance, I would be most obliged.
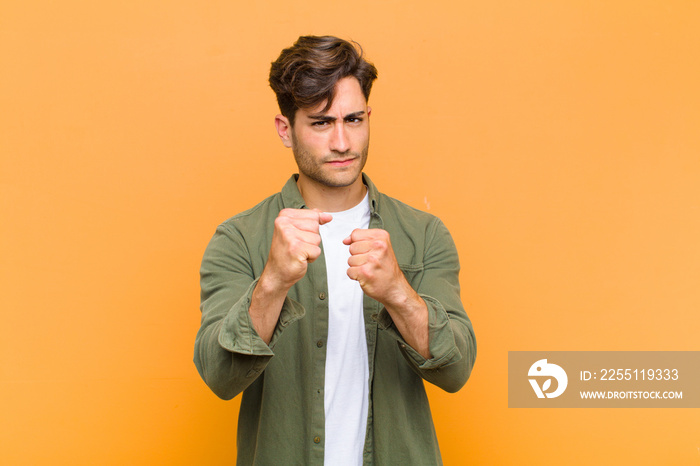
(242, 315)
(295, 244)
(373, 264)
(451, 343)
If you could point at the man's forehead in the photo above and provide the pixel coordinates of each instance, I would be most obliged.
(348, 95)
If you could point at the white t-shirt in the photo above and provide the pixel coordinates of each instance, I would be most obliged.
(347, 371)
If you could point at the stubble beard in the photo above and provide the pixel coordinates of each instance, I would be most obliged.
(315, 170)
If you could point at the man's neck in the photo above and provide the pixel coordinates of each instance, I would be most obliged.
(330, 199)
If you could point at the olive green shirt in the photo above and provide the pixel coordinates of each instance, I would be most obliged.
(281, 419)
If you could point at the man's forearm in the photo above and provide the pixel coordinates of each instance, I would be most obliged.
(410, 316)
(265, 307)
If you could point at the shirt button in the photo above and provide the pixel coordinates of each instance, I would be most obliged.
(322, 295)
(317, 439)
(319, 343)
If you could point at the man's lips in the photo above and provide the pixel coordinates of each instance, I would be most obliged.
(340, 163)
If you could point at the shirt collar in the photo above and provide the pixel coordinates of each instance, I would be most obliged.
(291, 197)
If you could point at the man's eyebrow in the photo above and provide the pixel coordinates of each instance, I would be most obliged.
(322, 117)
(354, 115)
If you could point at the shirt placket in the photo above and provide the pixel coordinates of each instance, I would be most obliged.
(319, 284)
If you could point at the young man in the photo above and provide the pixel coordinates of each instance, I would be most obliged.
(328, 303)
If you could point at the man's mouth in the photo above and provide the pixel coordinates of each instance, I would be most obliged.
(341, 162)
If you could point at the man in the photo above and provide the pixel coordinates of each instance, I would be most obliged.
(328, 303)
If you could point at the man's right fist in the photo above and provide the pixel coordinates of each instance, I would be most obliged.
(295, 244)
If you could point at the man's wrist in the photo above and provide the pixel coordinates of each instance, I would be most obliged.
(401, 296)
(270, 287)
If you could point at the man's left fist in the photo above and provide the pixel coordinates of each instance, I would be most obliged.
(373, 264)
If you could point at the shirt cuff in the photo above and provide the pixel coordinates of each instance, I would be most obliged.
(441, 340)
(238, 334)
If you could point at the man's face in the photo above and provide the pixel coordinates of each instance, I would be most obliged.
(331, 148)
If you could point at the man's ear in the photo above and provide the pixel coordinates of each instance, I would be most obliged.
(284, 129)
(369, 110)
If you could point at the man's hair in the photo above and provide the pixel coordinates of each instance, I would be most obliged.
(306, 73)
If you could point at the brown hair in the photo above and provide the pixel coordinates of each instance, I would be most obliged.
(306, 73)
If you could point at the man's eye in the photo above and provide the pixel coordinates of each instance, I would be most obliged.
(319, 123)
(354, 120)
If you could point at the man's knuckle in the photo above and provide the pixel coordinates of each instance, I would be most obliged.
(283, 221)
(314, 251)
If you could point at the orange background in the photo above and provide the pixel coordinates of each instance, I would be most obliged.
(559, 142)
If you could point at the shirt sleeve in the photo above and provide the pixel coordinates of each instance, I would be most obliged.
(229, 354)
(452, 342)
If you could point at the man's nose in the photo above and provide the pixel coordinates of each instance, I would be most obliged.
(339, 139)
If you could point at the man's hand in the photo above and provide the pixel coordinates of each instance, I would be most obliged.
(295, 244)
(373, 264)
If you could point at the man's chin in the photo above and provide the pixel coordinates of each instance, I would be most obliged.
(338, 180)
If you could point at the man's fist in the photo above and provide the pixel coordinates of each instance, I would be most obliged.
(373, 264)
(295, 244)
